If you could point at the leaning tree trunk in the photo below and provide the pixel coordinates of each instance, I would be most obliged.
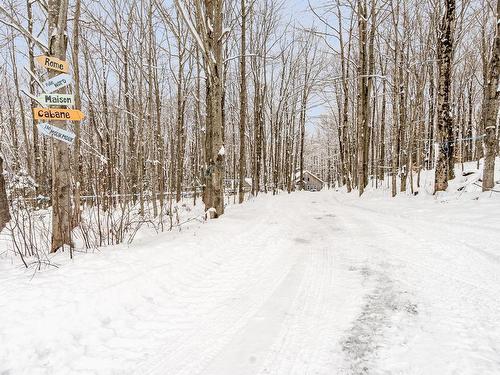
(4, 204)
(444, 122)
(61, 197)
(490, 110)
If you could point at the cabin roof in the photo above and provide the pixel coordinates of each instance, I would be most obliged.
(297, 175)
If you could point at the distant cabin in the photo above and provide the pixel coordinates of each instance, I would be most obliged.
(233, 184)
(311, 181)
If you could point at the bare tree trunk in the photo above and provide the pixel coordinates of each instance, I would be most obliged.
(77, 159)
(344, 140)
(4, 204)
(362, 105)
(381, 157)
(40, 188)
(490, 110)
(212, 24)
(370, 68)
(181, 103)
(260, 152)
(21, 108)
(395, 98)
(302, 125)
(61, 173)
(445, 123)
(243, 104)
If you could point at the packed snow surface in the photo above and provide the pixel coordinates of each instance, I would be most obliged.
(307, 283)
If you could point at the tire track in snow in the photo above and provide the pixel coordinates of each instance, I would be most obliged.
(203, 343)
(456, 293)
(308, 341)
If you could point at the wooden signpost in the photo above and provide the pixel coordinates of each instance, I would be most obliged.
(53, 63)
(56, 133)
(49, 98)
(58, 114)
(56, 99)
(58, 82)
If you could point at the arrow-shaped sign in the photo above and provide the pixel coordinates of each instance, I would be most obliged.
(53, 63)
(58, 114)
(56, 99)
(58, 82)
(56, 133)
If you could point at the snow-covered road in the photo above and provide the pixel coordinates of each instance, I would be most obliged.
(308, 283)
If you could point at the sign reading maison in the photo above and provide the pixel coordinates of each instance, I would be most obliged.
(56, 133)
(58, 114)
(53, 63)
(58, 82)
(56, 99)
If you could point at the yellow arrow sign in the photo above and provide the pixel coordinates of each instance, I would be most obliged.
(53, 63)
(57, 114)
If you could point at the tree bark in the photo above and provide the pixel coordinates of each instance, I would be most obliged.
(213, 12)
(40, 187)
(77, 159)
(61, 173)
(444, 123)
(4, 204)
(490, 110)
(363, 104)
(243, 104)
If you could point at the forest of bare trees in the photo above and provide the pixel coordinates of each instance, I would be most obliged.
(188, 99)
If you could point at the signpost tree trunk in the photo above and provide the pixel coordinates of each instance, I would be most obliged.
(61, 198)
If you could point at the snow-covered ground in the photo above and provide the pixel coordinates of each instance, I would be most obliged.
(307, 283)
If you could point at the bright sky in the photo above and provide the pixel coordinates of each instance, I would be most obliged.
(299, 10)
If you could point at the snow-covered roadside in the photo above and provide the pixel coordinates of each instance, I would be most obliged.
(446, 258)
(308, 283)
(176, 301)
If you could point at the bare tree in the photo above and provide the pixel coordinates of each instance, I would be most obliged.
(243, 102)
(61, 173)
(490, 109)
(444, 123)
(4, 204)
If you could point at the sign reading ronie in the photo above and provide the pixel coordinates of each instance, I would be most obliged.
(53, 63)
